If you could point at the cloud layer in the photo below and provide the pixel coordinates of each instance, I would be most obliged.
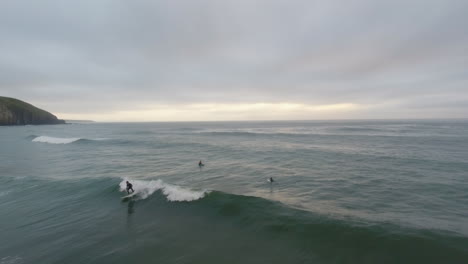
(101, 59)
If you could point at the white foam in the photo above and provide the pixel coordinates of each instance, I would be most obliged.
(173, 193)
(3, 193)
(54, 140)
(11, 260)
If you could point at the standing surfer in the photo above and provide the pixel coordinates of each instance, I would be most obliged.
(129, 187)
(200, 163)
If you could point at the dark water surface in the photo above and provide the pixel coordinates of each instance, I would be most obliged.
(344, 192)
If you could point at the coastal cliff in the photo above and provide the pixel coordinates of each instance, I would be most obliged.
(17, 112)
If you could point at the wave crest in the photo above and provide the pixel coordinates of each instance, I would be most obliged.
(58, 140)
(54, 140)
(173, 193)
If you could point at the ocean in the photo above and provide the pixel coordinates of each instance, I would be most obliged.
(343, 192)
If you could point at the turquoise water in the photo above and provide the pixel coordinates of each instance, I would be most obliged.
(344, 192)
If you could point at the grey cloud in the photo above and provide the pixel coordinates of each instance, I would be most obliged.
(66, 53)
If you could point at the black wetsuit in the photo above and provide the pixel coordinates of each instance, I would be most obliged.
(129, 187)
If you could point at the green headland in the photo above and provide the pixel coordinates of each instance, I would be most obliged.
(16, 112)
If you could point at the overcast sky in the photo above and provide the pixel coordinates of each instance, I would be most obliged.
(175, 60)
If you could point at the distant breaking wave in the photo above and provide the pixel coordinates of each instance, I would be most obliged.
(173, 193)
(57, 140)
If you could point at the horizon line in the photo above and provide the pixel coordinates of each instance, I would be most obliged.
(278, 120)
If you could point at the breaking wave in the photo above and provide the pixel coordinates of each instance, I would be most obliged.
(173, 193)
(58, 140)
(55, 140)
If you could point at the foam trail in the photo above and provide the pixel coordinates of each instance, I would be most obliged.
(173, 193)
(54, 140)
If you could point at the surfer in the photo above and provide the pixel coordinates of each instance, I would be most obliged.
(200, 163)
(129, 187)
(271, 180)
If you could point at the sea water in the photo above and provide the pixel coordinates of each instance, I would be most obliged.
(343, 192)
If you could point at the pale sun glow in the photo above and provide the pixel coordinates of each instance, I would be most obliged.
(223, 112)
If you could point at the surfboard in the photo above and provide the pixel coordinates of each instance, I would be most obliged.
(126, 197)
